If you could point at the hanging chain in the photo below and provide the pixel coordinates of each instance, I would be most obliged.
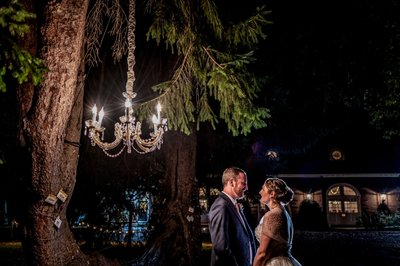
(131, 50)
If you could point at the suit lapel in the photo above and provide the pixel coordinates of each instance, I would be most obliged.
(239, 214)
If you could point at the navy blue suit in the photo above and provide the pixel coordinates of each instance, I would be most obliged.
(229, 236)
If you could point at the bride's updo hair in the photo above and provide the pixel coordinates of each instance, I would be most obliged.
(283, 193)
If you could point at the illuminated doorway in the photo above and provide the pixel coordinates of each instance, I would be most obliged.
(343, 205)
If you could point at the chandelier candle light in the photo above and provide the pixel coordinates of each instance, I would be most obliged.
(128, 130)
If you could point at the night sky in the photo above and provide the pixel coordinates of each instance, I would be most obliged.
(319, 56)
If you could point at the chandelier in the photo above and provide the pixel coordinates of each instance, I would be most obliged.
(127, 131)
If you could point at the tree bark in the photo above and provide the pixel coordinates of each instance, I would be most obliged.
(52, 119)
(177, 240)
(52, 126)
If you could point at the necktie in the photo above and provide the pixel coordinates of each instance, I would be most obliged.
(239, 212)
(237, 207)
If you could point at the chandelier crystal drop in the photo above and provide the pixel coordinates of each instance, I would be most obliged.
(127, 131)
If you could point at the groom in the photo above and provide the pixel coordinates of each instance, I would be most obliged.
(231, 236)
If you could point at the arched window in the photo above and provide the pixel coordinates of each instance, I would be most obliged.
(343, 205)
(342, 198)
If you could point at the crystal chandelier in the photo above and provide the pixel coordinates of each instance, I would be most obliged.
(127, 131)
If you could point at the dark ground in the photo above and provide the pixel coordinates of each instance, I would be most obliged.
(347, 248)
(327, 248)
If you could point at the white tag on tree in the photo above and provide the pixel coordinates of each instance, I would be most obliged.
(62, 195)
(51, 199)
(57, 222)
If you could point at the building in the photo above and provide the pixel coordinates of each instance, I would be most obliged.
(340, 190)
(344, 198)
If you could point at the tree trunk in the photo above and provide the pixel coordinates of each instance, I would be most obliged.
(178, 239)
(52, 119)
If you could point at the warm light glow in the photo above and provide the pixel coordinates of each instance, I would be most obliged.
(272, 155)
(383, 197)
(128, 103)
(155, 120)
(101, 115)
(158, 112)
(94, 112)
(158, 107)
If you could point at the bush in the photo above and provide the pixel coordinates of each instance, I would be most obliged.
(380, 220)
(310, 216)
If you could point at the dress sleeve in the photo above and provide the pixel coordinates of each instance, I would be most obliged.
(273, 225)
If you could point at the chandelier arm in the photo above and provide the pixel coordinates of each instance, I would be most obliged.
(150, 143)
(143, 149)
(155, 136)
(118, 133)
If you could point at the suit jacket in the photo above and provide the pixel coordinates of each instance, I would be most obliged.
(230, 237)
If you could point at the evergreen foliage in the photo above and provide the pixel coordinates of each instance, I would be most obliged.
(16, 62)
(213, 65)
